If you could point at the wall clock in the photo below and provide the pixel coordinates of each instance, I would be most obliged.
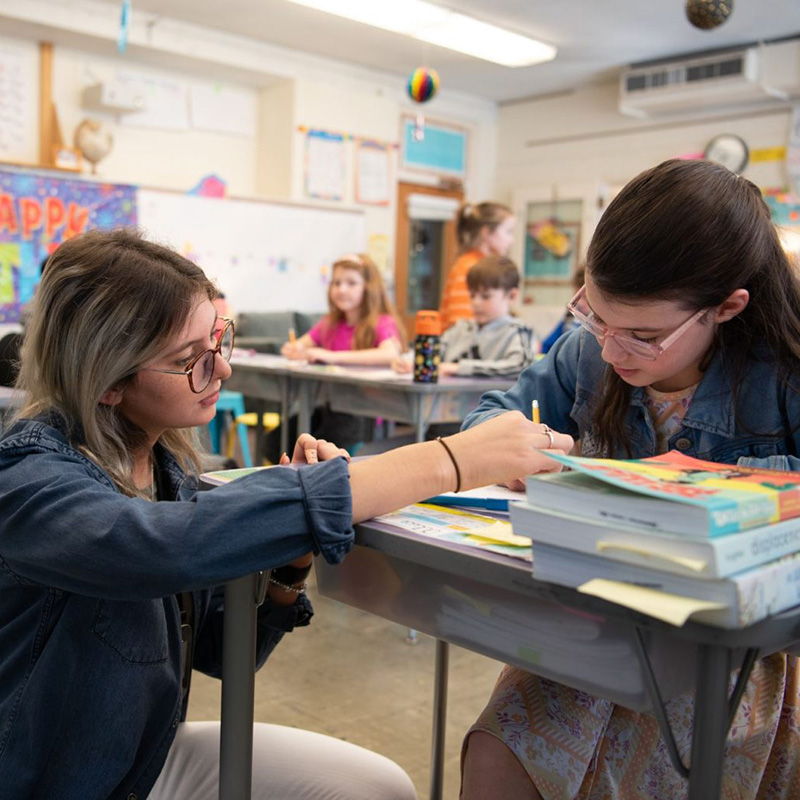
(729, 150)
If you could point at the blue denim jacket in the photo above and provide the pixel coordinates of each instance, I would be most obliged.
(569, 379)
(90, 673)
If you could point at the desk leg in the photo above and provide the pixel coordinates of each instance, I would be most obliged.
(439, 719)
(420, 424)
(306, 395)
(238, 687)
(285, 410)
(710, 722)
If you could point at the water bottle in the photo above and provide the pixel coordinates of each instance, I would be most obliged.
(428, 332)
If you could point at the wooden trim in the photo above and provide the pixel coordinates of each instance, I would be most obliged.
(46, 116)
(449, 251)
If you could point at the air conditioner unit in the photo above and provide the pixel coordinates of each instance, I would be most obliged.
(728, 78)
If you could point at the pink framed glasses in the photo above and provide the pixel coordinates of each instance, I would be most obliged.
(579, 309)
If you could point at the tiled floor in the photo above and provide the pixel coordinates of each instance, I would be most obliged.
(352, 675)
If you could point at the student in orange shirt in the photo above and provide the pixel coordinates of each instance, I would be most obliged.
(485, 229)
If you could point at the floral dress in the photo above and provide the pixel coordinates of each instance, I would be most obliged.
(575, 746)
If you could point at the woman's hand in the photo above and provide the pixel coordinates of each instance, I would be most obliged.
(447, 368)
(505, 449)
(308, 450)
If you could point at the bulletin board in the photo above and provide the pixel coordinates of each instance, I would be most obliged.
(265, 256)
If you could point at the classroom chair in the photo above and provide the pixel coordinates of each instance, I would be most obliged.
(270, 420)
(230, 404)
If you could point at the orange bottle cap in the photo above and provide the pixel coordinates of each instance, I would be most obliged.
(428, 323)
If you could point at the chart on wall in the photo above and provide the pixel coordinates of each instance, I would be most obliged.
(264, 256)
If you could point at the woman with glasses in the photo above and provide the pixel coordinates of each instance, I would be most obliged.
(109, 557)
(689, 339)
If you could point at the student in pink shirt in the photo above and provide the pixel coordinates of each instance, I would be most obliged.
(361, 326)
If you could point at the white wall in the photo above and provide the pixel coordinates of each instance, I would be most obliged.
(290, 89)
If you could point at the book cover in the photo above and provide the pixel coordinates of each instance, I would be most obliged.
(670, 492)
(699, 556)
(738, 600)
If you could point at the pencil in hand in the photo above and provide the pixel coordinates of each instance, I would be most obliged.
(535, 415)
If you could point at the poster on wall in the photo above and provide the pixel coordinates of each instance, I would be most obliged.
(552, 239)
(37, 213)
(372, 173)
(442, 148)
(324, 165)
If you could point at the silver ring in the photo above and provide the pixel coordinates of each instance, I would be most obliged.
(550, 436)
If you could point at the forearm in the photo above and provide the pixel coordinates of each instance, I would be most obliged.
(405, 475)
(371, 357)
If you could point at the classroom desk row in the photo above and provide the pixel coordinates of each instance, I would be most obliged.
(491, 604)
(363, 391)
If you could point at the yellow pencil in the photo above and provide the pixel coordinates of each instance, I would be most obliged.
(535, 412)
(292, 338)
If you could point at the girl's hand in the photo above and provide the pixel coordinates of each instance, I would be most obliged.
(403, 364)
(447, 368)
(504, 449)
(318, 355)
(293, 350)
(309, 450)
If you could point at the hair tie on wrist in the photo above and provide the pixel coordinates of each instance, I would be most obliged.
(444, 444)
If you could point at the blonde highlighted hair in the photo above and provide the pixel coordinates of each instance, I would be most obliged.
(374, 303)
(107, 304)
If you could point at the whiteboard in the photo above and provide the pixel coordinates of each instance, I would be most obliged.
(264, 256)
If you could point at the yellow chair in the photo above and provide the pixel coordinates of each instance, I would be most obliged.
(270, 420)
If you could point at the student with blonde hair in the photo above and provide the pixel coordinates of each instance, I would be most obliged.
(361, 326)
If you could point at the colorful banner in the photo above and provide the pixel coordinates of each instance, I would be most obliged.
(37, 213)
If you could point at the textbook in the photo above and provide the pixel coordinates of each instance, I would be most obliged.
(732, 602)
(493, 498)
(671, 492)
(699, 556)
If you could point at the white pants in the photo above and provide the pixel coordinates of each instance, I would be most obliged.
(288, 764)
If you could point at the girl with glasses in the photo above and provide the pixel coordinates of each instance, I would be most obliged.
(689, 339)
(112, 565)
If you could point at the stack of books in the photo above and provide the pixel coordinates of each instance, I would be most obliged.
(672, 536)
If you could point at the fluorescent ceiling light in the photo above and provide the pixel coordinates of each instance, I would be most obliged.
(437, 25)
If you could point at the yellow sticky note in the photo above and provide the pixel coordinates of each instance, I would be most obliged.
(693, 564)
(501, 532)
(671, 608)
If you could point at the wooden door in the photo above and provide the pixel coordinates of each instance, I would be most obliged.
(420, 245)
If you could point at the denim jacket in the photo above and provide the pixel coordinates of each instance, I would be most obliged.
(90, 640)
(762, 432)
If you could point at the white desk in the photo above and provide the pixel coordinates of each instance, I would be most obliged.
(364, 391)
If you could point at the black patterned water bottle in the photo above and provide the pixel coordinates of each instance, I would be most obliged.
(427, 344)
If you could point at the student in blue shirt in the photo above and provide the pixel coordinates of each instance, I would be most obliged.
(112, 565)
(689, 340)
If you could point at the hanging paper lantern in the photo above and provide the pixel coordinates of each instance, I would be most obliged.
(423, 83)
(707, 14)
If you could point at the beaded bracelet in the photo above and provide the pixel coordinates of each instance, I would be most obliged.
(444, 444)
(301, 589)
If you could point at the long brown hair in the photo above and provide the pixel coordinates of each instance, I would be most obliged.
(474, 217)
(374, 303)
(107, 304)
(692, 232)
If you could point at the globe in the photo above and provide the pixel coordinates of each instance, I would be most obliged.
(94, 140)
